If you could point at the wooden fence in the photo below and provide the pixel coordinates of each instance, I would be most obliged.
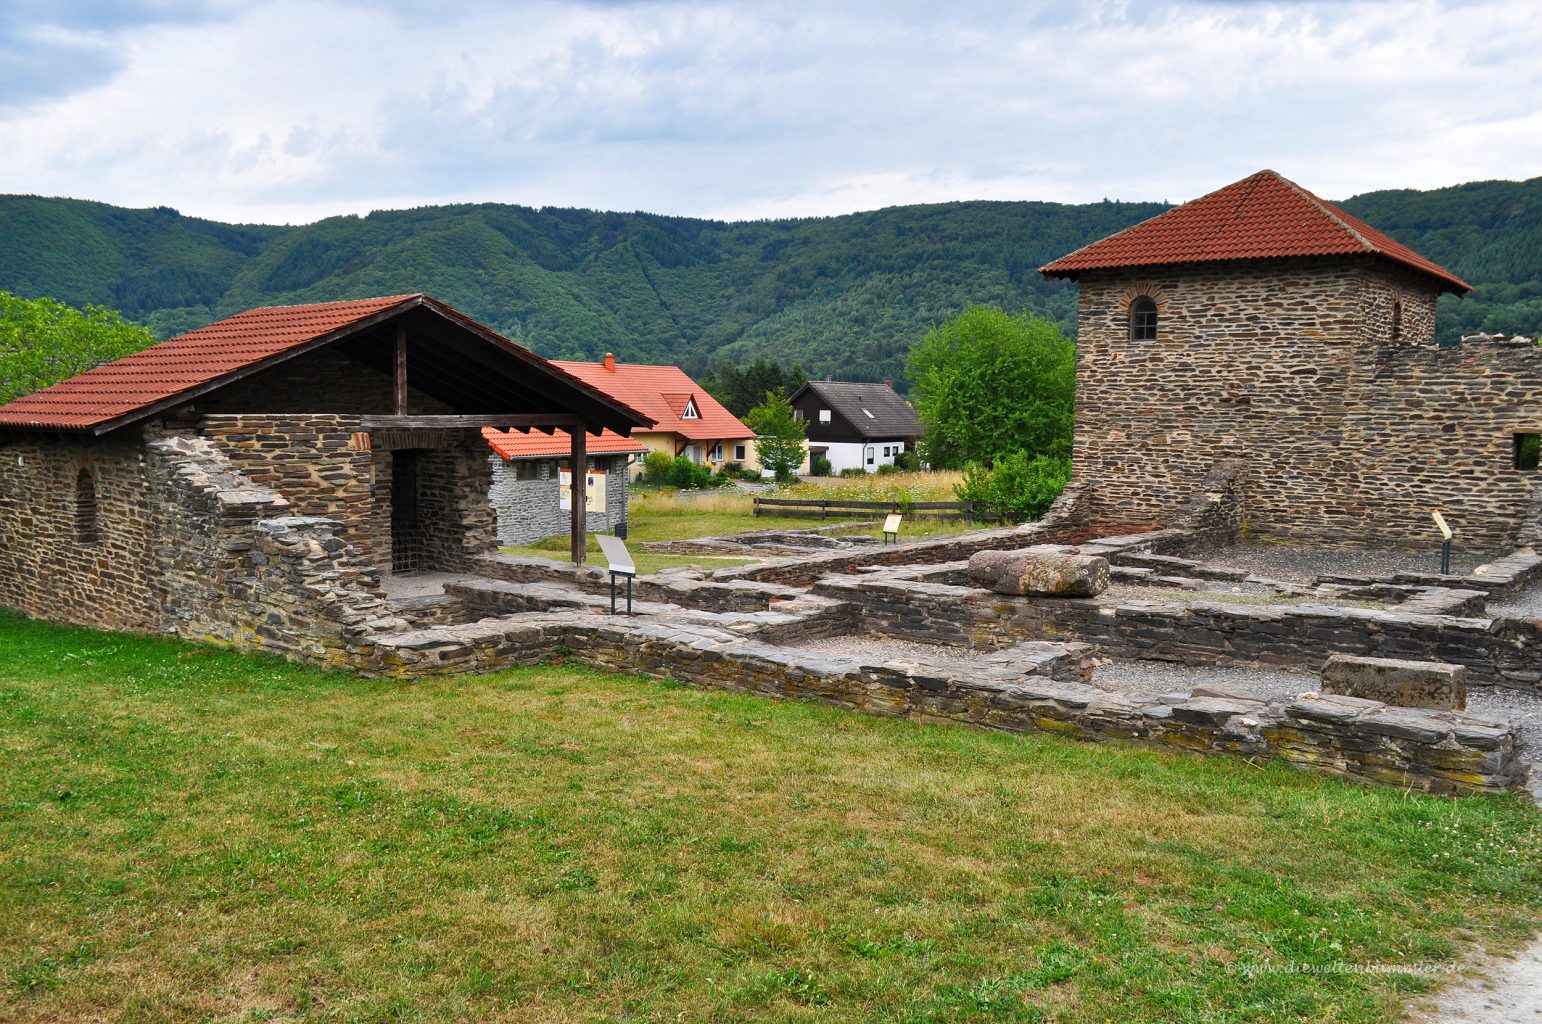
(835, 508)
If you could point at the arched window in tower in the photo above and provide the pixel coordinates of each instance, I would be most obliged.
(86, 531)
(1143, 319)
(1397, 321)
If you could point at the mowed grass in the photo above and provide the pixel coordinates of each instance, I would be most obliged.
(200, 835)
(670, 515)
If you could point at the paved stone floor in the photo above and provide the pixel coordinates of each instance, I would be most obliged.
(399, 586)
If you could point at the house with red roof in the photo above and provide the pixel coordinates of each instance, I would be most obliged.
(271, 480)
(1262, 343)
(686, 420)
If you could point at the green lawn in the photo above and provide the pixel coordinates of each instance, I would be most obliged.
(196, 835)
(663, 515)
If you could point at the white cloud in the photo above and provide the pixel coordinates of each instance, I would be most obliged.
(281, 110)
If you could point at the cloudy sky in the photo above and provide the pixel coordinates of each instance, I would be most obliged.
(285, 111)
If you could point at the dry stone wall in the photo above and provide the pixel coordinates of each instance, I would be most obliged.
(77, 529)
(309, 458)
(1199, 632)
(1041, 688)
(1290, 370)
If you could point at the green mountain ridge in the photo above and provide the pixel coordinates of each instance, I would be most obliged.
(845, 295)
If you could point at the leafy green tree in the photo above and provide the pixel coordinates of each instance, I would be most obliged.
(741, 390)
(987, 383)
(656, 467)
(780, 441)
(43, 341)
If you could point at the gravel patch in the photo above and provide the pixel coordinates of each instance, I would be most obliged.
(876, 650)
(1237, 593)
(1525, 603)
(1292, 564)
(1159, 677)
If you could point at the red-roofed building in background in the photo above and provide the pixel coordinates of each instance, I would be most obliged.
(1265, 351)
(687, 420)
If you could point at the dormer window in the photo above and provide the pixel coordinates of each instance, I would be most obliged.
(1143, 319)
(690, 412)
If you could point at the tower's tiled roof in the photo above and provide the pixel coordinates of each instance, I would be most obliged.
(1263, 216)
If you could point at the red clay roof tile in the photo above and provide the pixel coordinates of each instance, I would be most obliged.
(530, 444)
(661, 392)
(181, 364)
(195, 362)
(1263, 216)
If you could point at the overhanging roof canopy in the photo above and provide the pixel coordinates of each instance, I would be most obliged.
(1263, 216)
(451, 357)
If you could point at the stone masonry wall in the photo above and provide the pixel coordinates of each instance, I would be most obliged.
(1498, 651)
(309, 458)
(48, 568)
(529, 510)
(1038, 687)
(233, 566)
(1289, 369)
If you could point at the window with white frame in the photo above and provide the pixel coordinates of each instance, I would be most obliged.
(717, 452)
(740, 453)
(690, 410)
(824, 415)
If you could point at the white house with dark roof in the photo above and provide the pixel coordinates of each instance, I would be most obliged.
(856, 425)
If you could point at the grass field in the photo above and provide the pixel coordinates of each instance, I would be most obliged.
(193, 835)
(667, 515)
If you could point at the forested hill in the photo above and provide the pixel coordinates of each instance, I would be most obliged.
(841, 295)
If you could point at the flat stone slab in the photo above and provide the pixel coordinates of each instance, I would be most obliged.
(1411, 684)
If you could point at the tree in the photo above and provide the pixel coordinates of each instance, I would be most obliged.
(987, 383)
(43, 341)
(741, 390)
(780, 442)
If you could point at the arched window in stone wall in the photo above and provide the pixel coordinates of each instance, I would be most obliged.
(1397, 321)
(86, 531)
(1143, 319)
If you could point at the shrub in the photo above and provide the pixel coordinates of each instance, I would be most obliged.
(656, 467)
(731, 468)
(887, 470)
(908, 461)
(853, 471)
(1017, 487)
(819, 465)
(688, 476)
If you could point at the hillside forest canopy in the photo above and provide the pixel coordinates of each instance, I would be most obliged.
(841, 296)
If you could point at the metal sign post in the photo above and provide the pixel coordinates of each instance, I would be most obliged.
(1445, 544)
(621, 564)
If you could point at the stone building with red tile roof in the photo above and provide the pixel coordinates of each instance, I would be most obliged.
(686, 420)
(531, 487)
(259, 481)
(1265, 334)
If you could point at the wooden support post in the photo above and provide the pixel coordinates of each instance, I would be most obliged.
(577, 493)
(399, 401)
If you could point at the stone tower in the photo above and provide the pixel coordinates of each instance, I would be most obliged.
(1263, 326)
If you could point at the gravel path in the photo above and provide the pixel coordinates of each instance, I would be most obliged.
(1508, 992)
(1293, 564)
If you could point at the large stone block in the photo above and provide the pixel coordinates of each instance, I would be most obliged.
(1410, 684)
(1040, 571)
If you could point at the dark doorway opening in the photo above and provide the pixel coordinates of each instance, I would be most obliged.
(408, 541)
